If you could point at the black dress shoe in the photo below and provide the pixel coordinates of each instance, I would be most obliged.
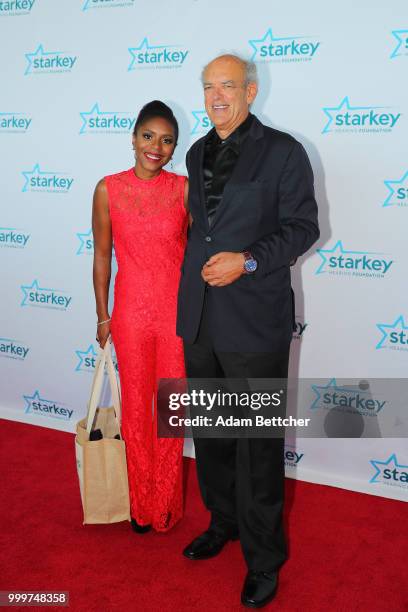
(207, 545)
(259, 588)
(139, 528)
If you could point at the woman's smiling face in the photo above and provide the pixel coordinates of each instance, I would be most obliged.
(154, 144)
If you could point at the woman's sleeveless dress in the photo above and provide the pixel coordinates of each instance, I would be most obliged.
(149, 224)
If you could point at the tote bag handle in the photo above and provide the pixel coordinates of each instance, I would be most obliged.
(104, 360)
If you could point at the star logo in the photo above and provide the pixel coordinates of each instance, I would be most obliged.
(38, 180)
(338, 248)
(343, 106)
(202, 122)
(84, 239)
(402, 198)
(277, 47)
(30, 398)
(39, 405)
(331, 386)
(40, 297)
(113, 121)
(49, 61)
(391, 463)
(402, 46)
(90, 354)
(34, 172)
(399, 337)
(27, 288)
(144, 47)
(268, 38)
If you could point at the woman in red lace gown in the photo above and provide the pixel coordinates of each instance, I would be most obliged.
(143, 212)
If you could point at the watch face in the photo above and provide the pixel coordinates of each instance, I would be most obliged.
(251, 265)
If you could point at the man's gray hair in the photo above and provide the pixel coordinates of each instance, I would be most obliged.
(251, 73)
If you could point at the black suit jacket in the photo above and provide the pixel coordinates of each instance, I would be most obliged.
(268, 208)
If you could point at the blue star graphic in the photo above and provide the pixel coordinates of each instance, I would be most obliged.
(398, 35)
(399, 321)
(26, 288)
(94, 111)
(392, 190)
(144, 45)
(83, 239)
(39, 52)
(341, 250)
(82, 355)
(391, 460)
(198, 116)
(332, 384)
(254, 42)
(35, 171)
(345, 103)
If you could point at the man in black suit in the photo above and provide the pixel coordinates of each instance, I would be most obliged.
(252, 202)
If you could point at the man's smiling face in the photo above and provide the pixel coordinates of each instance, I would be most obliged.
(227, 95)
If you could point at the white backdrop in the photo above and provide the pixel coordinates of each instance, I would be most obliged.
(74, 75)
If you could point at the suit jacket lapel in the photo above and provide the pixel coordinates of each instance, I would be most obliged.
(200, 182)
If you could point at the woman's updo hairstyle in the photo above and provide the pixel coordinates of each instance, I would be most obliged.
(156, 108)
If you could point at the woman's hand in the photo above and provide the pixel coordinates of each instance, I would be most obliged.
(103, 333)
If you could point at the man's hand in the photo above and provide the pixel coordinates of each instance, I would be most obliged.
(223, 269)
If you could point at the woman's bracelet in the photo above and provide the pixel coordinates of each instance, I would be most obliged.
(102, 322)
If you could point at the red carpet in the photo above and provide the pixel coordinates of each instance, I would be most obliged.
(348, 551)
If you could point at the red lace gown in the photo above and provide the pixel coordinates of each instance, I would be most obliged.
(149, 233)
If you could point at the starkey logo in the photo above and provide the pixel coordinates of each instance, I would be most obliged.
(270, 48)
(402, 43)
(148, 56)
(96, 4)
(47, 181)
(300, 327)
(17, 123)
(13, 238)
(394, 335)
(202, 122)
(346, 118)
(397, 192)
(13, 349)
(96, 121)
(16, 7)
(41, 297)
(390, 472)
(35, 404)
(41, 61)
(342, 262)
(345, 399)
(87, 360)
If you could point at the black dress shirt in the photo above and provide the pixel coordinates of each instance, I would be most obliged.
(220, 158)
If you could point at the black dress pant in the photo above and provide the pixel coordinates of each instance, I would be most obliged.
(242, 479)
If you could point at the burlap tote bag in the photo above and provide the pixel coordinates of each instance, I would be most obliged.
(101, 464)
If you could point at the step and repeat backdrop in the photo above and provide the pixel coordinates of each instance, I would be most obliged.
(73, 77)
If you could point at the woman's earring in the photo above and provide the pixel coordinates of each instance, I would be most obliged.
(134, 152)
(171, 163)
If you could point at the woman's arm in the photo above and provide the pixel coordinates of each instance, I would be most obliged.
(102, 233)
